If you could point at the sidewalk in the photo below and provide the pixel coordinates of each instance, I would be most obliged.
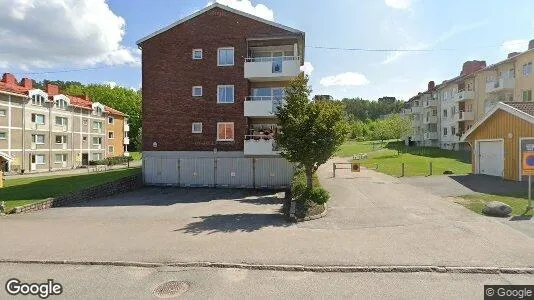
(80, 171)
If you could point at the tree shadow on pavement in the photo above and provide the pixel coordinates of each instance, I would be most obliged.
(263, 199)
(233, 223)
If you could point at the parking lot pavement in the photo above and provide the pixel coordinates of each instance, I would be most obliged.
(373, 219)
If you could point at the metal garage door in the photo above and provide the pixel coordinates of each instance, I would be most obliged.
(234, 172)
(197, 172)
(491, 158)
(161, 171)
(273, 172)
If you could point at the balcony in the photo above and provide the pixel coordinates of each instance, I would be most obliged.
(262, 106)
(259, 145)
(500, 84)
(417, 109)
(464, 116)
(126, 141)
(281, 68)
(430, 119)
(430, 103)
(417, 137)
(126, 127)
(464, 96)
(406, 111)
(431, 135)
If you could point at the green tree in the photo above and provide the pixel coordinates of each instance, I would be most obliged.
(312, 130)
(123, 99)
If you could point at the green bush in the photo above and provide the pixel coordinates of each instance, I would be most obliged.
(111, 161)
(299, 191)
(317, 195)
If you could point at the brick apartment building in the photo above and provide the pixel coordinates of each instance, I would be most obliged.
(211, 84)
(47, 130)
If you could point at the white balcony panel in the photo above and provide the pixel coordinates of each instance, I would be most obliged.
(417, 109)
(500, 84)
(465, 116)
(430, 120)
(259, 146)
(261, 106)
(464, 96)
(272, 69)
(431, 135)
(431, 103)
(126, 127)
(126, 141)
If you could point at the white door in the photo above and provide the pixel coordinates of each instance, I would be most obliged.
(491, 158)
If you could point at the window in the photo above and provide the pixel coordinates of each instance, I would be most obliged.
(527, 95)
(98, 111)
(527, 69)
(196, 128)
(197, 53)
(38, 119)
(39, 159)
(97, 156)
(111, 120)
(38, 139)
(434, 112)
(444, 113)
(111, 135)
(225, 131)
(110, 149)
(444, 130)
(97, 126)
(38, 100)
(84, 122)
(2, 112)
(225, 57)
(60, 158)
(2, 135)
(61, 139)
(61, 104)
(84, 139)
(225, 94)
(97, 140)
(197, 91)
(453, 130)
(62, 121)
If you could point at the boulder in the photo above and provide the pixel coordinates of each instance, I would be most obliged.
(497, 209)
(448, 172)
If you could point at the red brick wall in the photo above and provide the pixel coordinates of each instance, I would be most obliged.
(169, 73)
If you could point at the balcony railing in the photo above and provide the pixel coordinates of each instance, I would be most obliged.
(280, 68)
(464, 96)
(126, 141)
(259, 145)
(465, 116)
(430, 103)
(126, 127)
(430, 119)
(500, 84)
(262, 106)
(431, 135)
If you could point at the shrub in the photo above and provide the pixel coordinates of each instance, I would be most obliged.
(299, 191)
(111, 161)
(317, 195)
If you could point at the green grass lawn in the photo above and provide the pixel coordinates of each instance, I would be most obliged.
(353, 147)
(476, 202)
(22, 191)
(136, 155)
(415, 159)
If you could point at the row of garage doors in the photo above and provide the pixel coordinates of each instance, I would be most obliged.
(231, 172)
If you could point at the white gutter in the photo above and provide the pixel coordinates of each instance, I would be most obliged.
(15, 94)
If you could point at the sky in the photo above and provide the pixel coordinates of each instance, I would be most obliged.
(94, 41)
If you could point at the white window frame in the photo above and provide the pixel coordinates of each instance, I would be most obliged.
(64, 121)
(61, 104)
(97, 137)
(225, 139)
(526, 92)
(3, 135)
(40, 155)
(197, 51)
(100, 156)
(193, 127)
(3, 112)
(112, 134)
(112, 120)
(34, 139)
(34, 117)
(218, 56)
(63, 158)
(99, 127)
(63, 139)
(112, 149)
(197, 87)
(226, 86)
(526, 70)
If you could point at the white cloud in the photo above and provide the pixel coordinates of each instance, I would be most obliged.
(514, 46)
(44, 34)
(399, 4)
(111, 84)
(307, 68)
(345, 79)
(258, 10)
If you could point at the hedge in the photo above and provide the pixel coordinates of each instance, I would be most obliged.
(111, 161)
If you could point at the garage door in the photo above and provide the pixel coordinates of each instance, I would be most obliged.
(197, 172)
(491, 158)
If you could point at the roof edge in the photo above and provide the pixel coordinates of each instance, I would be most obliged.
(214, 5)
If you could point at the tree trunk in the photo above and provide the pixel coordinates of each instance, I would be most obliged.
(309, 178)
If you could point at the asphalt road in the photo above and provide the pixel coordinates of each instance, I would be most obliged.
(108, 282)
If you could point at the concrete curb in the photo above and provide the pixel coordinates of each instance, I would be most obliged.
(290, 268)
(315, 217)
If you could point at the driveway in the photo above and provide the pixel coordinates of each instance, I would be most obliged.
(373, 219)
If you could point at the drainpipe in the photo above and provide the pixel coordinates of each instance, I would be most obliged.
(22, 163)
(50, 137)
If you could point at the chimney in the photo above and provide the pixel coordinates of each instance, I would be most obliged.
(51, 89)
(9, 78)
(431, 85)
(86, 97)
(472, 66)
(510, 55)
(27, 83)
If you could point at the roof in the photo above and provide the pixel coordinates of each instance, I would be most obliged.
(218, 5)
(13, 88)
(115, 112)
(522, 110)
